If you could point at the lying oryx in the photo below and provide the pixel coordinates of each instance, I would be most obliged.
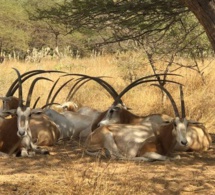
(134, 142)
(19, 133)
(76, 124)
(65, 127)
(96, 116)
(148, 141)
(197, 135)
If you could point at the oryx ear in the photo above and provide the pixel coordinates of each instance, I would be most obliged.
(37, 111)
(194, 122)
(115, 109)
(167, 121)
(6, 98)
(5, 113)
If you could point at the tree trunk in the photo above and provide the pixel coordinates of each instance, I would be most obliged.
(204, 10)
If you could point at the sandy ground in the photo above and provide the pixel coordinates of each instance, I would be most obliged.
(68, 171)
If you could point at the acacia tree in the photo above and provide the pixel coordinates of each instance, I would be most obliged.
(14, 34)
(204, 11)
(120, 20)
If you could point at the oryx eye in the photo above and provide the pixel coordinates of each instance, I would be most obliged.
(111, 111)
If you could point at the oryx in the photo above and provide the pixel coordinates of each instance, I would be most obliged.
(26, 127)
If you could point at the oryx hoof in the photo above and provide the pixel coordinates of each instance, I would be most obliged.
(24, 153)
(45, 152)
(3, 155)
(42, 151)
(31, 154)
(176, 157)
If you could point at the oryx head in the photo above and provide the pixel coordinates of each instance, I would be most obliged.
(23, 112)
(114, 114)
(10, 102)
(118, 112)
(180, 130)
(23, 115)
(179, 123)
(68, 106)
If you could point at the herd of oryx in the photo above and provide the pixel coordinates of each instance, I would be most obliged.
(116, 132)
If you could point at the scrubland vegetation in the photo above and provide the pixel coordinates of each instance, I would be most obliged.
(199, 90)
(123, 42)
(69, 171)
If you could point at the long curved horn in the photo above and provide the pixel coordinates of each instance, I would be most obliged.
(35, 103)
(49, 104)
(140, 81)
(20, 87)
(106, 86)
(29, 74)
(60, 88)
(56, 93)
(16, 81)
(170, 98)
(32, 88)
(51, 91)
(183, 113)
(100, 81)
(75, 88)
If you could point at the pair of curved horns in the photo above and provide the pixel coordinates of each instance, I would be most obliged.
(32, 88)
(20, 87)
(141, 81)
(48, 102)
(14, 86)
(99, 80)
(183, 114)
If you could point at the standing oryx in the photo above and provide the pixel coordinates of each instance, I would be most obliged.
(146, 142)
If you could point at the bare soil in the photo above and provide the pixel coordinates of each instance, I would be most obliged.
(68, 171)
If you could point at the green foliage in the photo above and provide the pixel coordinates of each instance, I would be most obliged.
(14, 26)
(165, 25)
(79, 27)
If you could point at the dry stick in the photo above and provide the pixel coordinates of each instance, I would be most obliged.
(151, 62)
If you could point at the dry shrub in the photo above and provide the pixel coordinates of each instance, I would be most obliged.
(68, 171)
(142, 99)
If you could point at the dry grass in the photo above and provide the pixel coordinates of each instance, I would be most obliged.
(68, 171)
(142, 99)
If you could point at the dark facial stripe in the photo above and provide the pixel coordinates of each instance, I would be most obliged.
(22, 120)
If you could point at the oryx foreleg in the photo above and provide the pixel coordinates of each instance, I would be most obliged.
(156, 156)
(111, 147)
(38, 150)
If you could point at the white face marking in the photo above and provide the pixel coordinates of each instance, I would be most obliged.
(112, 116)
(23, 121)
(106, 119)
(181, 131)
